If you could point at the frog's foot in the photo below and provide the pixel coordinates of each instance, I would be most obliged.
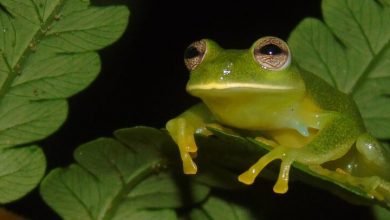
(188, 149)
(189, 166)
(183, 135)
(373, 185)
(281, 153)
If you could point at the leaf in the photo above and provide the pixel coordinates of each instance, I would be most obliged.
(21, 121)
(216, 208)
(163, 214)
(138, 175)
(351, 51)
(380, 213)
(385, 2)
(315, 56)
(46, 55)
(20, 169)
(122, 178)
(236, 152)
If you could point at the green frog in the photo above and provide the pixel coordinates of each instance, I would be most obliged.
(262, 89)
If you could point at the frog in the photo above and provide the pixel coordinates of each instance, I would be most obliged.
(264, 91)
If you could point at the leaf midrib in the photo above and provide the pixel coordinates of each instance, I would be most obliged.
(38, 37)
(79, 200)
(372, 64)
(142, 174)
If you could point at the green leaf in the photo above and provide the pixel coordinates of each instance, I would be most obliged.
(326, 62)
(351, 51)
(385, 2)
(163, 214)
(380, 213)
(22, 122)
(216, 208)
(237, 153)
(46, 55)
(20, 169)
(122, 178)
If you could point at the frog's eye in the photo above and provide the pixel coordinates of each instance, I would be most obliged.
(194, 54)
(272, 53)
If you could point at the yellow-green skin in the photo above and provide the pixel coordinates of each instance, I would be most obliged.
(300, 115)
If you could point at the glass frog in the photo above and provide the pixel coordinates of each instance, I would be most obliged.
(262, 89)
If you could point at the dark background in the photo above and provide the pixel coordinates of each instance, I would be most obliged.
(143, 79)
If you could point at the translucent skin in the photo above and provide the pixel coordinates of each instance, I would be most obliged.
(304, 118)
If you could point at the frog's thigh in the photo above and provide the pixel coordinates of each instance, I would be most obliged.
(371, 149)
(373, 155)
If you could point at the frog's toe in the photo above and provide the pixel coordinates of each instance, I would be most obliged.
(281, 185)
(248, 177)
(188, 143)
(191, 145)
(189, 166)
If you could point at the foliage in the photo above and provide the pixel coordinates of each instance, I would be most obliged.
(134, 175)
(46, 55)
(130, 177)
(351, 51)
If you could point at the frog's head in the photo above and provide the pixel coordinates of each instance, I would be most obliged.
(238, 86)
(265, 67)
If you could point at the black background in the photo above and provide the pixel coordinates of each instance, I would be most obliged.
(143, 79)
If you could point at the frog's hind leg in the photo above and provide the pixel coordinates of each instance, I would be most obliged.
(279, 152)
(373, 157)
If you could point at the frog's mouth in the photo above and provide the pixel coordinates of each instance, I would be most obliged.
(238, 86)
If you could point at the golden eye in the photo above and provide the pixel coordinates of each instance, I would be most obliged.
(272, 53)
(194, 54)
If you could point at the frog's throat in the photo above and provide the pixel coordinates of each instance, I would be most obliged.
(210, 86)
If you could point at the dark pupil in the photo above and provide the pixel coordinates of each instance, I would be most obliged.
(270, 49)
(191, 52)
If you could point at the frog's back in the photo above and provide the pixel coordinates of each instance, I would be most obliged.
(329, 98)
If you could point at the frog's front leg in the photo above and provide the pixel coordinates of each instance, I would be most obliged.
(279, 152)
(330, 141)
(183, 128)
